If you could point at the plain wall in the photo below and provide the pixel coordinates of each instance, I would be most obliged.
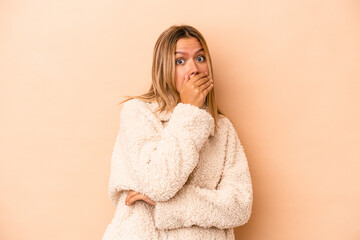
(286, 73)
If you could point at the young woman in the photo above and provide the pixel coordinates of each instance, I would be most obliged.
(178, 169)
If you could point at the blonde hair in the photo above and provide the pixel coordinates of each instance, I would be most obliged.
(163, 88)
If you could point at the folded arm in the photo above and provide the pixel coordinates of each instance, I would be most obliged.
(227, 206)
(160, 163)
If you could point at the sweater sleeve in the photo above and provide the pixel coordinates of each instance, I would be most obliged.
(227, 206)
(160, 162)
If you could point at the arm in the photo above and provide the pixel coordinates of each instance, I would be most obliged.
(227, 206)
(157, 163)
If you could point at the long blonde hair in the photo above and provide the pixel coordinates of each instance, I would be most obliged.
(163, 88)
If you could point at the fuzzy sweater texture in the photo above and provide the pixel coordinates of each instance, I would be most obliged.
(199, 180)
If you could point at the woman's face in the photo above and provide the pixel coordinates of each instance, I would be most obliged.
(189, 59)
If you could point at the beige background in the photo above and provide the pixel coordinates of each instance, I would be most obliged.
(286, 73)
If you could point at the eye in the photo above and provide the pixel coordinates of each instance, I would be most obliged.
(201, 58)
(179, 61)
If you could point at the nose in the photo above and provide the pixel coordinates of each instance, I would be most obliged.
(192, 68)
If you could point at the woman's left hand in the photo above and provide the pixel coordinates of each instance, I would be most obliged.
(135, 196)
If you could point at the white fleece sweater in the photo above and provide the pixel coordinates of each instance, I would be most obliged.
(199, 180)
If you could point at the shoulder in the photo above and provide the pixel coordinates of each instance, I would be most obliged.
(134, 107)
(133, 104)
(224, 122)
(228, 126)
(136, 111)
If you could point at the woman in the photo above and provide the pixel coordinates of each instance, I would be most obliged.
(178, 169)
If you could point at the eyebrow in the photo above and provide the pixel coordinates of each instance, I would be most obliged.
(183, 52)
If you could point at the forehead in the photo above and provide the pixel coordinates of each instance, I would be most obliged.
(188, 44)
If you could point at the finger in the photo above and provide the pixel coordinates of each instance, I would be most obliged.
(130, 194)
(205, 86)
(134, 198)
(202, 81)
(197, 77)
(186, 79)
(140, 196)
(150, 201)
(209, 88)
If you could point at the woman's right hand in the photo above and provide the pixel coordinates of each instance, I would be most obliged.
(195, 89)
